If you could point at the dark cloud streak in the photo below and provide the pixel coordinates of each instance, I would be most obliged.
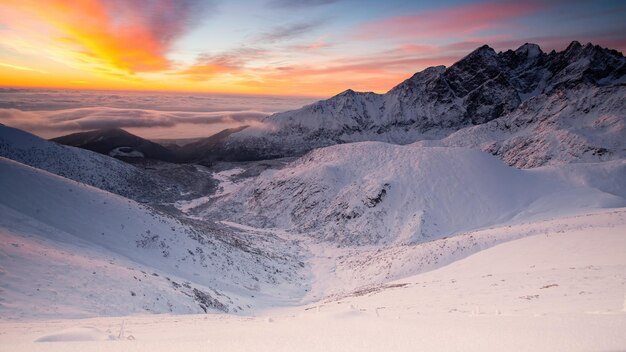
(294, 4)
(287, 32)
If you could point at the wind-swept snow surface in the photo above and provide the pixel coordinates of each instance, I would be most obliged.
(373, 193)
(362, 246)
(559, 290)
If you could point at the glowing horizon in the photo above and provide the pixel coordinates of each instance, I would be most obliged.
(273, 47)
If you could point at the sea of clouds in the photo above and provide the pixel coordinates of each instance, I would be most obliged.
(51, 113)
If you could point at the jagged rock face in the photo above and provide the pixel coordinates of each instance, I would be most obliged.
(585, 124)
(491, 100)
(423, 102)
(589, 63)
(473, 71)
(481, 87)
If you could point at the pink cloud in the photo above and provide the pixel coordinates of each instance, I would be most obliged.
(207, 66)
(449, 22)
(381, 64)
(416, 48)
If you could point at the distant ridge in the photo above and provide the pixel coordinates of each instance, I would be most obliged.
(483, 86)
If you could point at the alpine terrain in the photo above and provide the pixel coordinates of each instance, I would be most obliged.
(480, 206)
(511, 93)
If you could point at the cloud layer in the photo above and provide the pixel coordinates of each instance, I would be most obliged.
(51, 113)
(54, 123)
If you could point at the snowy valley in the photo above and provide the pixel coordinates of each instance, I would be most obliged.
(479, 206)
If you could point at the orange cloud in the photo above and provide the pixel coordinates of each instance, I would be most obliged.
(20, 68)
(124, 44)
(205, 71)
(378, 74)
(208, 66)
(106, 35)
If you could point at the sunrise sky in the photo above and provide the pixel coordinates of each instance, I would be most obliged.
(278, 47)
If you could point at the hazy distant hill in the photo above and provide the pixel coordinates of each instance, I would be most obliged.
(118, 143)
(202, 150)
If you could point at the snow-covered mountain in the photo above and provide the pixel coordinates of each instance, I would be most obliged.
(481, 87)
(201, 150)
(372, 193)
(71, 250)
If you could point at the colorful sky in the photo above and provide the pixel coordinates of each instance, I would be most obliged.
(276, 47)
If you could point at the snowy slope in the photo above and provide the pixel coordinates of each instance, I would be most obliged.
(375, 193)
(70, 250)
(81, 165)
(347, 271)
(559, 290)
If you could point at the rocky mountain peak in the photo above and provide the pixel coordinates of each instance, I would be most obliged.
(529, 50)
(485, 51)
(347, 92)
(589, 64)
(418, 78)
(472, 71)
(573, 46)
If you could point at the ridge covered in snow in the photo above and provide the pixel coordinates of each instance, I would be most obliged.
(582, 124)
(481, 87)
(117, 143)
(81, 165)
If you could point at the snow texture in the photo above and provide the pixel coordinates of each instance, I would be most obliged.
(71, 250)
(559, 289)
(372, 193)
